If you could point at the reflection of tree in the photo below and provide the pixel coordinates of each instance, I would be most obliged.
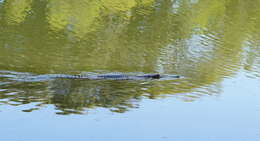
(204, 40)
(17, 10)
(75, 96)
(78, 16)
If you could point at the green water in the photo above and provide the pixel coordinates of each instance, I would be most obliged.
(214, 45)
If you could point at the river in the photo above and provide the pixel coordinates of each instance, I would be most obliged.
(214, 45)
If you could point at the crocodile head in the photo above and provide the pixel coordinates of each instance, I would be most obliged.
(156, 76)
(169, 76)
(160, 76)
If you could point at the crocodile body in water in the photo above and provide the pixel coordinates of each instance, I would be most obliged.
(117, 76)
(88, 76)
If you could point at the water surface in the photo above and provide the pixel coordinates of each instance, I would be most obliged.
(212, 44)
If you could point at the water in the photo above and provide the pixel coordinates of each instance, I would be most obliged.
(212, 44)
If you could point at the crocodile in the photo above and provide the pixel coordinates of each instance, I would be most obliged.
(88, 76)
(116, 76)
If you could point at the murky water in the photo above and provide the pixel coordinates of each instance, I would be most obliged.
(214, 45)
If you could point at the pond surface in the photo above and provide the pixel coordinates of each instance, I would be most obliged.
(214, 45)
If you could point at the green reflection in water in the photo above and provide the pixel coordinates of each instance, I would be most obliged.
(204, 41)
